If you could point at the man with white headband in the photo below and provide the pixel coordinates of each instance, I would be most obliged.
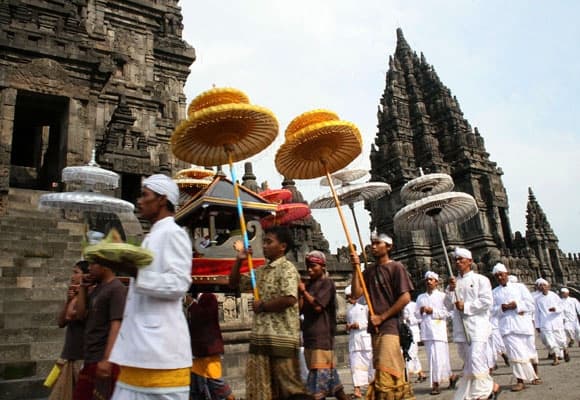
(571, 308)
(549, 321)
(469, 299)
(153, 347)
(433, 314)
(389, 289)
(535, 294)
(512, 306)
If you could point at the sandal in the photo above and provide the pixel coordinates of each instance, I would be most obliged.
(435, 391)
(453, 381)
(537, 381)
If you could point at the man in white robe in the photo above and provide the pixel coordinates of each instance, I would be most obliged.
(535, 294)
(550, 322)
(571, 308)
(433, 314)
(153, 348)
(414, 366)
(360, 348)
(469, 298)
(512, 306)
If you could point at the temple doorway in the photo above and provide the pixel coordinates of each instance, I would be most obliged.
(39, 140)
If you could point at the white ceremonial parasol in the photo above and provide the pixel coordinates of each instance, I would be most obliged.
(351, 194)
(84, 201)
(91, 176)
(344, 177)
(434, 211)
(426, 185)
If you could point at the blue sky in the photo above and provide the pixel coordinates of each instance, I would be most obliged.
(512, 65)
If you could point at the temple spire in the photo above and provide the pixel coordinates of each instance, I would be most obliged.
(536, 221)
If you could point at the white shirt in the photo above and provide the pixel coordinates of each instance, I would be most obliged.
(154, 332)
(510, 321)
(545, 319)
(433, 326)
(412, 320)
(571, 310)
(359, 339)
(475, 292)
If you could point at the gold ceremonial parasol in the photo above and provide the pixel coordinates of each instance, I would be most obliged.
(222, 127)
(195, 173)
(317, 144)
(192, 180)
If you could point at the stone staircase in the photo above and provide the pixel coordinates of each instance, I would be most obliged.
(37, 252)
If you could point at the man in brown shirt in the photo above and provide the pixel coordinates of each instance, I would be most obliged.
(389, 289)
(102, 311)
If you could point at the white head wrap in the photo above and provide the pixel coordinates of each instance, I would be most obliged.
(432, 275)
(463, 253)
(348, 290)
(564, 290)
(499, 267)
(381, 237)
(163, 185)
(542, 281)
(512, 278)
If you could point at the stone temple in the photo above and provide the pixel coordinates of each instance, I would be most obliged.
(421, 125)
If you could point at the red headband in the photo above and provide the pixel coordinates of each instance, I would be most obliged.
(315, 260)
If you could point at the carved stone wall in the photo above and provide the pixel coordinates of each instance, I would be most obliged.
(121, 64)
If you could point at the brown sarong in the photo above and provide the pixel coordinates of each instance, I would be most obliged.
(319, 359)
(390, 382)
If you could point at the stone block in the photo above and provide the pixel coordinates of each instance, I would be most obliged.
(15, 352)
(17, 370)
(24, 281)
(45, 350)
(27, 388)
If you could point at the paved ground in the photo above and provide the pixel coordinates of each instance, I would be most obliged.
(561, 382)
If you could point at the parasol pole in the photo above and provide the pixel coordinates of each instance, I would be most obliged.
(243, 226)
(349, 240)
(467, 338)
(364, 253)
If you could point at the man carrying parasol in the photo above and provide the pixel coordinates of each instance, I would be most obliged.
(389, 289)
(272, 371)
(153, 347)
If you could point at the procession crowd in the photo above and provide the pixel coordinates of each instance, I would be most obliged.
(138, 343)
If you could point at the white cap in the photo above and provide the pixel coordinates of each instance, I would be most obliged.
(499, 267)
(512, 278)
(463, 253)
(381, 237)
(348, 290)
(541, 281)
(432, 275)
(564, 290)
(163, 185)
